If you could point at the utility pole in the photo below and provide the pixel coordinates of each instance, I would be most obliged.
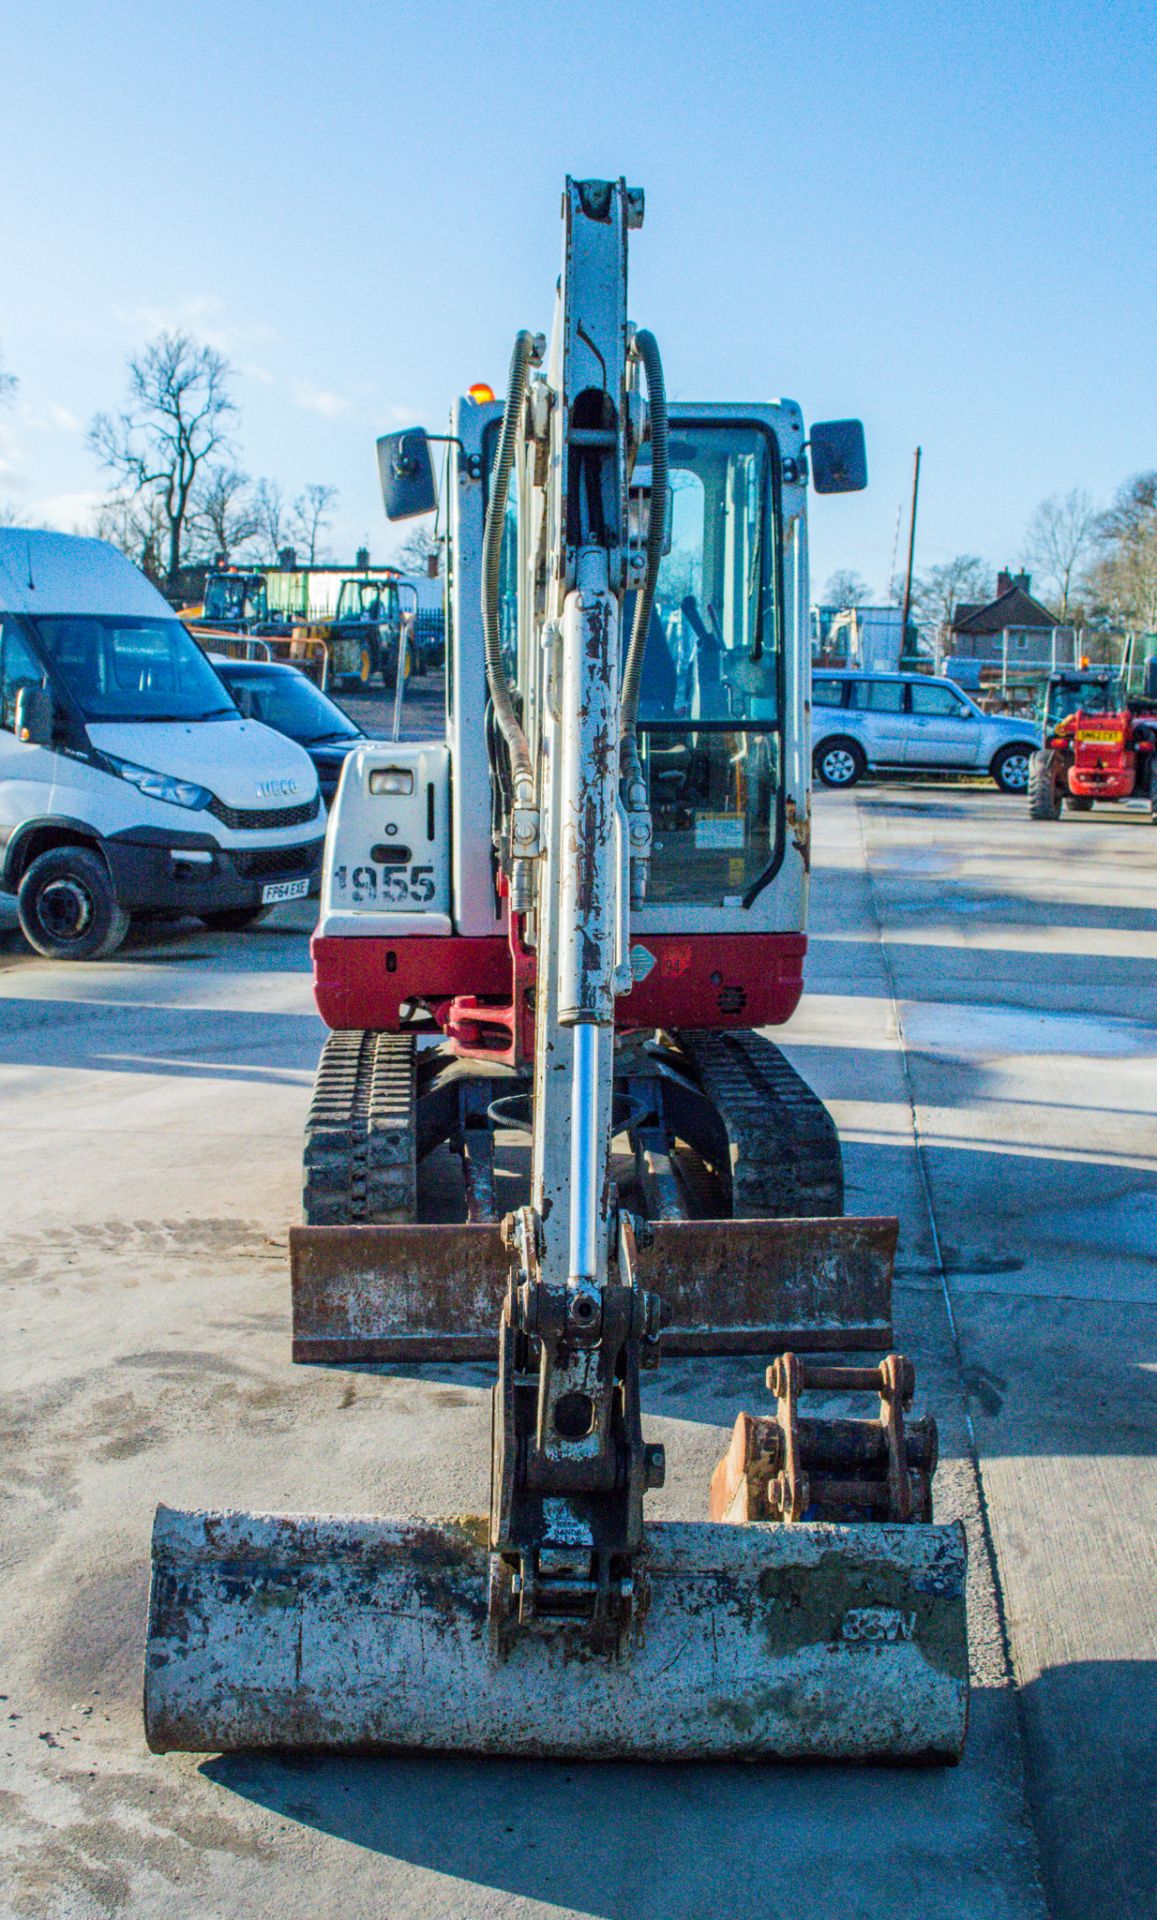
(911, 553)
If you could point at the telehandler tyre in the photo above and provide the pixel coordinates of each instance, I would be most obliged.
(1044, 786)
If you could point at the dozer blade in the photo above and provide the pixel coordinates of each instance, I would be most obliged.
(802, 1642)
(732, 1286)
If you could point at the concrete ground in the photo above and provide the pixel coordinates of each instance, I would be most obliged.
(977, 1018)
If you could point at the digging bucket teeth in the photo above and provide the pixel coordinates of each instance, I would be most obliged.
(731, 1286)
(804, 1642)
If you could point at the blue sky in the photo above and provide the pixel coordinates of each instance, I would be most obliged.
(939, 218)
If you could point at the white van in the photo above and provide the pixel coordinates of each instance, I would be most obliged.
(129, 782)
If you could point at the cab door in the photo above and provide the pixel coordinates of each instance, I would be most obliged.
(879, 699)
(27, 772)
(943, 729)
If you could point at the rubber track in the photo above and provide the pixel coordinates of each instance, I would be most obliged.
(785, 1151)
(360, 1159)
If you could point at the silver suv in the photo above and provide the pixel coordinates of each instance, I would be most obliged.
(903, 721)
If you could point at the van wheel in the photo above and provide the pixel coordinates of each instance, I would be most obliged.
(234, 919)
(1010, 768)
(839, 763)
(68, 907)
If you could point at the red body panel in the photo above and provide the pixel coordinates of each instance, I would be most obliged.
(1104, 767)
(697, 980)
(1104, 754)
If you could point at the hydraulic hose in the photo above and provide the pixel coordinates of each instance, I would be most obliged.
(647, 348)
(505, 715)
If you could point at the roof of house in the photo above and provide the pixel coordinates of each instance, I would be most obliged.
(1013, 608)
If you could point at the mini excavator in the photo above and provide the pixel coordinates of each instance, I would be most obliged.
(564, 925)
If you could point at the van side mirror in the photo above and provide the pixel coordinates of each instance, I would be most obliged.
(35, 717)
(406, 474)
(839, 456)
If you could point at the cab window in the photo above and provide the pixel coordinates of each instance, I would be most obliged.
(936, 702)
(709, 708)
(828, 693)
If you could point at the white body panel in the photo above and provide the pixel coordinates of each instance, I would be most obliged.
(367, 886)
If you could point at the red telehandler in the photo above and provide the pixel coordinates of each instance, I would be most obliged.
(1098, 745)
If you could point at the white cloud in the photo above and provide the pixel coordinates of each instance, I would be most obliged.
(53, 417)
(65, 511)
(11, 451)
(319, 400)
(203, 315)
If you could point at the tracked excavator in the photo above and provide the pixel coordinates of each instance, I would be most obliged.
(546, 945)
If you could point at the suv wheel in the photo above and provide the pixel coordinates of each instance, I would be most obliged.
(1010, 769)
(68, 907)
(839, 763)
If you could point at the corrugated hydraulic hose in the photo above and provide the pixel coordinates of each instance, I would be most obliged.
(504, 713)
(647, 348)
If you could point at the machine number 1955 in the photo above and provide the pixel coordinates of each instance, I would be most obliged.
(368, 886)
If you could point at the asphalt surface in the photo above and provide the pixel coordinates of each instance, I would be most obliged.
(982, 1018)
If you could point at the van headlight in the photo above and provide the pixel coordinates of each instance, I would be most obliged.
(160, 786)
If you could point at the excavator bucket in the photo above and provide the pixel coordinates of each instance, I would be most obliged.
(805, 1642)
(731, 1286)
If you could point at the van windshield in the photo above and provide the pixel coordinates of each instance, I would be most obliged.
(119, 669)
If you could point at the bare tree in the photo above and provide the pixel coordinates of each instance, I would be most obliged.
(135, 522)
(310, 515)
(847, 589)
(1124, 580)
(224, 515)
(415, 552)
(177, 419)
(1059, 542)
(269, 509)
(937, 593)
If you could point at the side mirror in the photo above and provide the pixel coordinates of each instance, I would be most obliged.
(839, 456)
(406, 474)
(35, 716)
